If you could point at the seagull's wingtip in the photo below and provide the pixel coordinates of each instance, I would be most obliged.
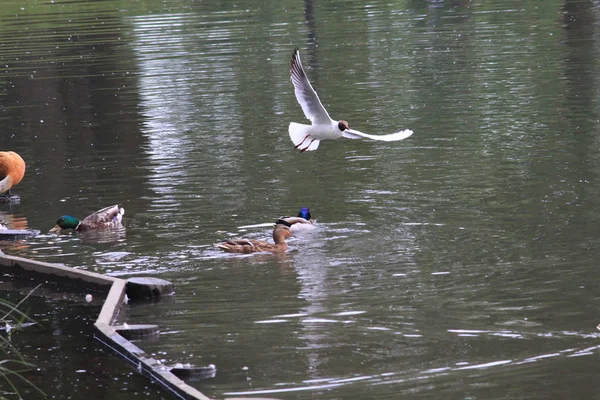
(404, 134)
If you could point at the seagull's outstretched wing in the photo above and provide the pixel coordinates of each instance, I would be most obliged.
(352, 134)
(306, 95)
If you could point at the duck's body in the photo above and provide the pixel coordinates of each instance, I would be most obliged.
(299, 224)
(246, 246)
(12, 170)
(307, 137)
(109, 217)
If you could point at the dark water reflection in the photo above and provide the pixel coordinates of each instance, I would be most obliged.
(67, 364)
(458, 263)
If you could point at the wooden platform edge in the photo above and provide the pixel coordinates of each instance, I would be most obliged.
(55, 269)
(146, 366)
(104, 331)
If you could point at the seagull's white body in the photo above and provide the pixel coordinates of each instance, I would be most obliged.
(307, 137)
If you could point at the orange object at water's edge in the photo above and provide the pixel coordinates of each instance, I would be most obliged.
(12, 170)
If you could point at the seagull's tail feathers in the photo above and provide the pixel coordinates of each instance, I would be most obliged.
(300, 135)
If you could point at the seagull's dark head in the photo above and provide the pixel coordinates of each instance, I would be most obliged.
(343, 125)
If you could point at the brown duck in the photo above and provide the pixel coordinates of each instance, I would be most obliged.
(246, 246)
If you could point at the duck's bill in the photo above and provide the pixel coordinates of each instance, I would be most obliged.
(56, 229)
(392, 137)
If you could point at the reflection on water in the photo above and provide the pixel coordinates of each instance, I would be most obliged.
(102, 235)
(188, 96)
(458, 263)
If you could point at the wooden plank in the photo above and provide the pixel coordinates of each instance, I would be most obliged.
(145, 365)
(105, 332)
(55, 269)
(112, 303)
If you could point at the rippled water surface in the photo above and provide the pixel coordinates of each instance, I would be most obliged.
(459, 263)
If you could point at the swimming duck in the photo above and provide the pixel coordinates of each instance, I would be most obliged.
(299, 224)
(280, 233)
(109, 217)
(12, 169)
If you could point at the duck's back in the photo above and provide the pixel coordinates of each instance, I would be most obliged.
(248, 246)
(297, 225)
(107, 217)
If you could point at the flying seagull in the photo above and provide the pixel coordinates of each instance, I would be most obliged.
(307, 137)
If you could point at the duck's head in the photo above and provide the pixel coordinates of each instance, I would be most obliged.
(65, 222)
(280, 233)
(305, 213)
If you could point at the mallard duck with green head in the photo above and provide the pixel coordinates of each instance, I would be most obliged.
(109, 217)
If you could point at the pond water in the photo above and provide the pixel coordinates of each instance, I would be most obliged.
(67, 363)
(458, 263)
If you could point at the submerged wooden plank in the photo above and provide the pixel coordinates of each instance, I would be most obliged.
(148, 288)
(137, 331)
(105, 330)
(17, 234)
(145, 365)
